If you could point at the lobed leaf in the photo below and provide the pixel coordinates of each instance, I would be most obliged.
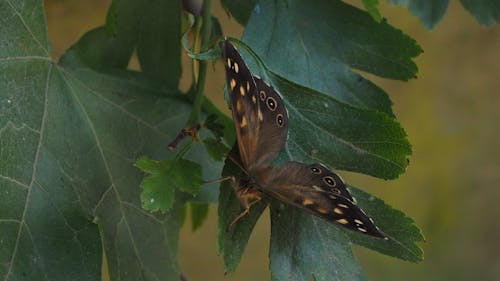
(315, 44)
(69, 136)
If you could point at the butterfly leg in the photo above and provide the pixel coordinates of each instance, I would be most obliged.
(231, 178)
(245, 195)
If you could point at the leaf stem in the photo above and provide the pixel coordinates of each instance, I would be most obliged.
(184, 150)
(206, 29)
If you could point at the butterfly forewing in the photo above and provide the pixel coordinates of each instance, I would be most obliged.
(317, 190)
(259, 113)
(243, 100)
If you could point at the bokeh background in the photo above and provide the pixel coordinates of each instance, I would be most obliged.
(451, 114)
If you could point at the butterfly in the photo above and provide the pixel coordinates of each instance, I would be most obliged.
(261, 122)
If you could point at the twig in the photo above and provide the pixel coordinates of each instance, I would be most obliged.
(191, 132)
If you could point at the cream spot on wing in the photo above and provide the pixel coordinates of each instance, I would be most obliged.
(321, 210)
(358, 221)
(232, 84)
(362, 229)
(261, 118)
(236, 67)
(238, 106)
(317, 188)
(343, 206)
(342, 221)
(307, 202)
(243, 122)
(248, 87)
(229, 62)
(242, 91)
(254, 99)
(338, 211)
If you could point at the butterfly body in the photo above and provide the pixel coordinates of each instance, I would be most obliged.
(261, 122)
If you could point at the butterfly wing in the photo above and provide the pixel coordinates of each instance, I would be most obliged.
(258, 112)
(243, 93)
(273, 118)
(317, 190)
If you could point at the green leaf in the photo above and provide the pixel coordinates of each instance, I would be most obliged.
(158, 46)
(217, 120)
(232, 240)
(151, 30)
(68, 138)
(199, 213)
(158, 189)
(373, 9)
(486, 12)
(323, 41)
(347, 138)
(100, 50)
(187, 175)
(239, 9)
(215, 149)
(303, 245)
(429, 12)
(211, 123)
(399, 228)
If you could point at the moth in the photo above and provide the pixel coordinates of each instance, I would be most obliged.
(261, 122)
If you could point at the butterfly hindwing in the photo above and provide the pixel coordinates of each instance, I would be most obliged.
(317, 190)
(273, 118)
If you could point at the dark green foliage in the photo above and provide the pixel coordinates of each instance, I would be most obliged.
(71, 132)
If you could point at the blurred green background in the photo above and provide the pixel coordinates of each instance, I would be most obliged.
(451, 114)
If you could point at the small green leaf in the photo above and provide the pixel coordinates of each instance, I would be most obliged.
(158, 188)
(372, 6)
(199, 213)
(148, 165)
(215, 149)
(187, 175)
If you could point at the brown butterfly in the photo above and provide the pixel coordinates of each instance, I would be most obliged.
(261, 122)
